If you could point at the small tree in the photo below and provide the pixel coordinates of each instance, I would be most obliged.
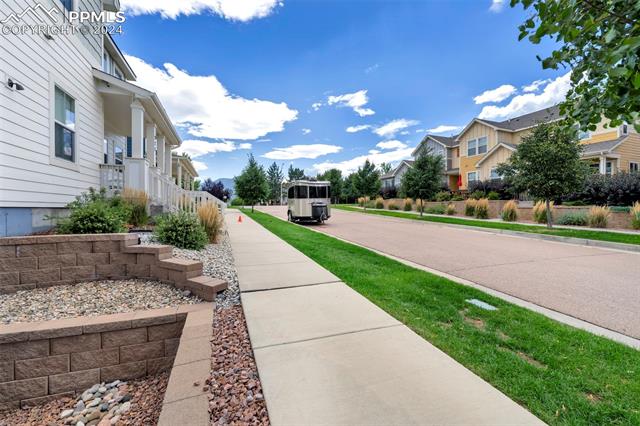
(349, 189)
(367, 180)
(252, 185)
(423, 180)
(385, 168)
(216, 189)
(295, 173)
(274, 180)
(335, 177)
(546, 164)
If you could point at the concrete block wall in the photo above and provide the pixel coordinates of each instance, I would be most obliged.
(43, 261)
(48, 360)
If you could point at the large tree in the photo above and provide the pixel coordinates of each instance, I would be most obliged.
(599, 40)
(216, 189)
(385, 168)
(546, 164)
(367, 180)
(424, 179)
(348, 188)
(252, 185)
(275, 176)
(335, 177)
(295, 173)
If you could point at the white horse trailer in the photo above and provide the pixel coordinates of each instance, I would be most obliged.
(308, 201)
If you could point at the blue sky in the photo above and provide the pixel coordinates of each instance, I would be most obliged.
(286, 79)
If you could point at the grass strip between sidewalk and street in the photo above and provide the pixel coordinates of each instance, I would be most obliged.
(614, 237)
(563, 375)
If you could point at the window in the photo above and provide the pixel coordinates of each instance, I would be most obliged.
(67, 4)
(495, 175)
(472, 177)
(313, 192)
(302, 192)
(477, 146)
(625, 129)
(291, 193)
(65, 125)
(634, 167)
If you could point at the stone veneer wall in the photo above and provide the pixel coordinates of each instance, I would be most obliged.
(49, 360)
(44, 261)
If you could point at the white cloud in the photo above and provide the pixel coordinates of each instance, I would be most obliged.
(356, 101)
(355, 129)
(295, 152)
(199, 165)
(391, 145)
(316, 106)
(554, 93)
(235, 10)
(393, 127)
(533, 87)
(306, 131)
(496, 6)
(495, 95)
(205, 108)
(350, 166)
(443, 128)
(198, 148)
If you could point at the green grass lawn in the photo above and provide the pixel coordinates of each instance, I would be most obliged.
(531, 229)
(561, 374)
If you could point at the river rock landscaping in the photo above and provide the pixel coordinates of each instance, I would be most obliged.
(90, 299)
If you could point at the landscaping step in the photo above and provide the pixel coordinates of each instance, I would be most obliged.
(161, 251)
(205, 287)
(182, 265)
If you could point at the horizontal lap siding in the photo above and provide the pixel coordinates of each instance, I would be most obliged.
(27, 179)
(629, 151)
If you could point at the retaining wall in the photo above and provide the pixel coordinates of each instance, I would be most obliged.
(49, 360)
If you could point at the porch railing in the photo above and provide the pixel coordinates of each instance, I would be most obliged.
(112, 178)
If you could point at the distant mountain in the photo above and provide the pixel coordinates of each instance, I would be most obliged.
(228, 184)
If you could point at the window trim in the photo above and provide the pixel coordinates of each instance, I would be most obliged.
(476, 148)
(477, 179)
(55, 80)
(637, 164)
(494, 169)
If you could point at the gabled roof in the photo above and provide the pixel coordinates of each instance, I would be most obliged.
(391, 174)
(602, 147)
(446, 141)
(509, 146)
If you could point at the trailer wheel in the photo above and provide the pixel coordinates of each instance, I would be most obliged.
(289, 216)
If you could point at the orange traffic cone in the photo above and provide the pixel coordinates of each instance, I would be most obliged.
(239, 219)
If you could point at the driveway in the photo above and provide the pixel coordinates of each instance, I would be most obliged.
(596, 285)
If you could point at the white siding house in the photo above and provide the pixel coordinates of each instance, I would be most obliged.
(70, 120)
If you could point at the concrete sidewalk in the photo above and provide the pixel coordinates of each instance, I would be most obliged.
(326, 355)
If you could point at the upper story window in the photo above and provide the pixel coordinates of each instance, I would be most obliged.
(67, 4)
(65, 126)
(624, 129)
(477, 146)
(110, 67)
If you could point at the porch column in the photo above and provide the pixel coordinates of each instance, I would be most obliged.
(136, 167)
(167, 158)
(603, 165)
(180, 184)
(162, 164)
(150, 132)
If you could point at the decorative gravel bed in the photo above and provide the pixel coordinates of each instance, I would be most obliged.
(236, 392)
(90, 299)
(122, 404)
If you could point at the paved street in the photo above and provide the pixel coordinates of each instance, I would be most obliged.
(328, 356)
(596, 285)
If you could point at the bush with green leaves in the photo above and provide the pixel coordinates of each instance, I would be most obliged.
(182, 230)
(573, 219)
(620, 189)
(237, 202)
(393, 206)
(493, 196)
(441, 209)
(94, 213)
(443, 196)
(476, 195)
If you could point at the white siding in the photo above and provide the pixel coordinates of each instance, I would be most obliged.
(27, 177)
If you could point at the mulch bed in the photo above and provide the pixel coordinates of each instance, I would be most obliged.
(236, 393)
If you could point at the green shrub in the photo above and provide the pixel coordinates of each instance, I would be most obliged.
(573, 219)
(442, 209)
(510, 211)
(482, 209)
(470, 207)
(451, 210)
(393, 206)
(443, 196)
(493, 196)
(457, 198)
(182, 230)
(94, 213)
(476, 195)
(620, 209)
(370, 204)
(237, 202)
(576, 203)
(598, 217)
(635, 215)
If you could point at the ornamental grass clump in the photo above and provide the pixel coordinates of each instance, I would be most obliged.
(540, 212)
(362, 201)
(598, 217)
(510, 211)
(408, 204)
(635, 215)
(379, 203)
(211, 220)
(420, 206)
(470, 207)
(393, 206)
(482, 209)
(137, 201)
(181, 229)
(451, 210)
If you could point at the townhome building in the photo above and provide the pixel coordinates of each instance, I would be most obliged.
(72, 117)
